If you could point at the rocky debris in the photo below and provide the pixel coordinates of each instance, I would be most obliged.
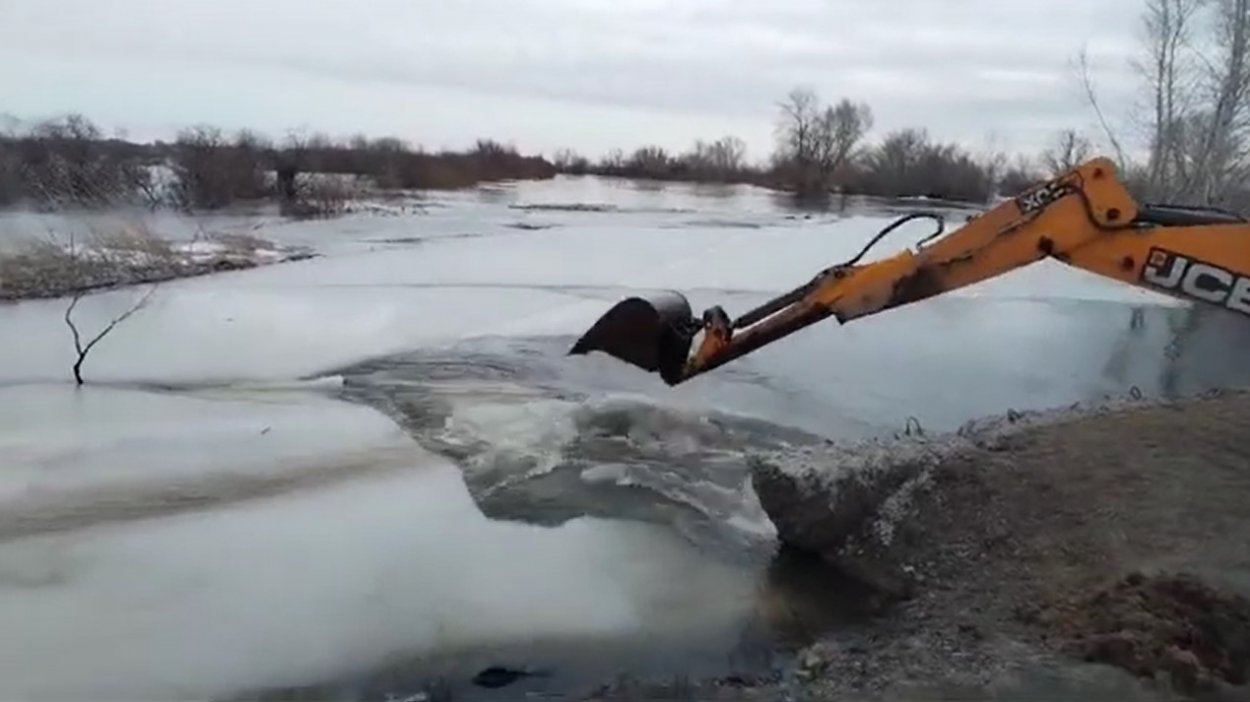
(844, 502)
(1162, 625)
(735, 688)
(815, 660)
(841, 498)
(821, 497)
(497, 676)
(982, 532)
(848, 501)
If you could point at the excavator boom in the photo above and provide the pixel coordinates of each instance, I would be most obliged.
(1085, 218)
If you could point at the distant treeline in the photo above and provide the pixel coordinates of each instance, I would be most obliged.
(68, 161)
(821, 150)
(907, 163)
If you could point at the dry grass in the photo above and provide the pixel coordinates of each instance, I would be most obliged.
(240, 243)
(126, 254)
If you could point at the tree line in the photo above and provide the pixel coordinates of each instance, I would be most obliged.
(67, 162)
(823, 150)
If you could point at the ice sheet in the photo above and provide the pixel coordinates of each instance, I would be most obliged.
(159, 545)
(295, 319)
(59, 442)
(323, 583)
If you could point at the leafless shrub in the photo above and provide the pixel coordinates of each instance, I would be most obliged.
(11, 186)
(82, 349)
(908, 163)
(320, 195)
(213, 172)
(1019, 177)
(720, 160)
(569, 161)
(1070, 150)
(649, 161)
(66, 163)
(815, 141)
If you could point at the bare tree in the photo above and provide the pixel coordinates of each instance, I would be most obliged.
(213, 172)
(1091, 95)
(729, 154)
(1070, 150)
(66, 162)
(76, 267)
(613, 161)
(1195, 67)
(83, 349)
(649, 162)
(795, 132)
(1021, 175)
(892, 166)
(717, 160)
(1221, 159)
(814, 141)
(840, 130)
(992, 161)
(908, 162)
(569, 161)
(1169, 71)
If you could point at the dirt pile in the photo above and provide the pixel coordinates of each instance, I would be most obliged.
(1163, 625)
(998, 543)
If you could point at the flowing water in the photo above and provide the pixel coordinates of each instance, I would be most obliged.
(377, 473)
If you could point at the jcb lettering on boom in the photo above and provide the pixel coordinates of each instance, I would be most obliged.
(1041, 197)
(1197, 279)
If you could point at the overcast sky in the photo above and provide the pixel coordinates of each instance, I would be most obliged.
(543, 74)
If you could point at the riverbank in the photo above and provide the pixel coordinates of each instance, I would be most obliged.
(1097, 549)
(128, 255)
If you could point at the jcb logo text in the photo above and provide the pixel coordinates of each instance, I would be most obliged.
(1037, 199)
(1197, 279)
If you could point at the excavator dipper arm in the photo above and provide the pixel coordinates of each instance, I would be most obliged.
(1085, 218)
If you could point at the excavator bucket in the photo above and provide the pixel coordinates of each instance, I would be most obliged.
(652, 333)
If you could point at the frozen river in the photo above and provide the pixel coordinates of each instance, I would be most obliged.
(377, 466)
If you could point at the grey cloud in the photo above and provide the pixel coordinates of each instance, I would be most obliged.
(960, 67)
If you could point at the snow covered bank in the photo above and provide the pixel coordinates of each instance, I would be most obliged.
(42, 268)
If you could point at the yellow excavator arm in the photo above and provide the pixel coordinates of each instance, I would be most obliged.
(1085, 218)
